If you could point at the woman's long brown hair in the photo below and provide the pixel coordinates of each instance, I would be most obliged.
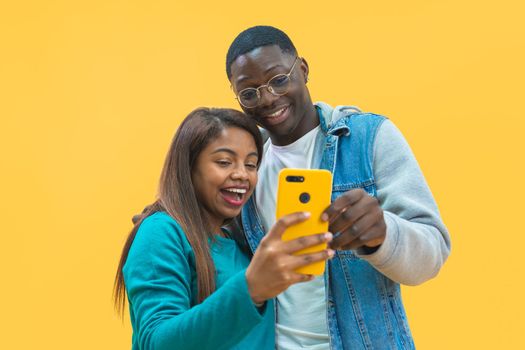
(177, 195)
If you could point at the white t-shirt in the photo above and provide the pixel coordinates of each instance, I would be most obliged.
(301, 309)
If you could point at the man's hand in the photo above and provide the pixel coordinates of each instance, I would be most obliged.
(136, 218)
(356, 220)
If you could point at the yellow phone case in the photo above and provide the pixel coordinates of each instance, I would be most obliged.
(305, 190)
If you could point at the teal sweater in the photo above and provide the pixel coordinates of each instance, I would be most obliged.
(161, 283)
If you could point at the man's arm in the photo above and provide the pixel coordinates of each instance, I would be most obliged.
(417, 242)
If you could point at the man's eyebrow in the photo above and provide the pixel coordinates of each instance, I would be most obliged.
(273, 67)
(240, 80)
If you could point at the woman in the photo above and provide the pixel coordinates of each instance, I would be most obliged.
(189, 285)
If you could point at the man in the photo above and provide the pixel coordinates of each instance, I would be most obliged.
(386, 225)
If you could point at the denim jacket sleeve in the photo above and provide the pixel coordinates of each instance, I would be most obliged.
(417, 242)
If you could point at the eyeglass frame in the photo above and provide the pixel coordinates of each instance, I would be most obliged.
(268, 87)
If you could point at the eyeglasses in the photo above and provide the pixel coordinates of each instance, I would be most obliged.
(278, 86)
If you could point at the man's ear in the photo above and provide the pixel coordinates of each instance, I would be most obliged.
(304, 69)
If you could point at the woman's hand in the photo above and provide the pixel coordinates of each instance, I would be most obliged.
(271, 270)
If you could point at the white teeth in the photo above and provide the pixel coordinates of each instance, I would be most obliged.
(275, 114)
(236, 190)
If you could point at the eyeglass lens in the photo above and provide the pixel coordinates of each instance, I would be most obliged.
(278, 85)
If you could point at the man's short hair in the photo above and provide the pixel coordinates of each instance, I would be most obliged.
(255, 37)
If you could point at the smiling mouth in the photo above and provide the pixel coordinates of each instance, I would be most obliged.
(234, 196)
(277, 113)
(278, 116)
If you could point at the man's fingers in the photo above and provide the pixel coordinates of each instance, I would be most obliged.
(348, 217)
(136, 218)
(356, 230)
(371, 238)
(341, 203)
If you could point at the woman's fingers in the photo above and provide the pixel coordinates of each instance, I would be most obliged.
(304, 242)
(286, 221)
(297, 261)
(296, 277)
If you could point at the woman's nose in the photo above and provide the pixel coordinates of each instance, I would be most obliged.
(240, 173)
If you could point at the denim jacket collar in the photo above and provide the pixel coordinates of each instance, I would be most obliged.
(332, 119)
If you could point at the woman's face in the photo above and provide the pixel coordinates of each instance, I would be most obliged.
(225, 174)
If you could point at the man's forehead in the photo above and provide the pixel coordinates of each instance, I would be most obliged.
(263, 54)
(259, 59)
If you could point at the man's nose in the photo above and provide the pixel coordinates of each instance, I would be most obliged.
(267, 98)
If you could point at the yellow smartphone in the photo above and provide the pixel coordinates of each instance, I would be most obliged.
(305, 190)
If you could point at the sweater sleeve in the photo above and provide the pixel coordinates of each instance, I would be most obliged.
(158, 276)
(417, 242)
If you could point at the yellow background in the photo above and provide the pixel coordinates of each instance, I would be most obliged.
(91, 93)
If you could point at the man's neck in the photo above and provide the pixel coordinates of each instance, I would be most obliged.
(309, 122)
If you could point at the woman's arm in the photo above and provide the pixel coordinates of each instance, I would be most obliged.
(158, 275)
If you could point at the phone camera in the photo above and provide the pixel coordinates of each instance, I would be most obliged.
(304, 197)
(295, 178)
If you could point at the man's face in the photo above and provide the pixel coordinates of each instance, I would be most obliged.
(280, 115)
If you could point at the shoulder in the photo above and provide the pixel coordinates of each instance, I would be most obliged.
(364, 127)
(160, 222)
(158, 231)
(345, 114)
(159, 249)
(355, 120)
(390, 137)
(364, 119)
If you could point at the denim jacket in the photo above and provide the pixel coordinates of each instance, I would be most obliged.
(364, 307)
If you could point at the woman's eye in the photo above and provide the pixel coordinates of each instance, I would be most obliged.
(223, 163)
(251, 165)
